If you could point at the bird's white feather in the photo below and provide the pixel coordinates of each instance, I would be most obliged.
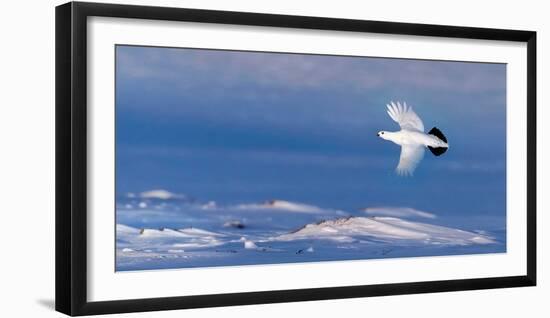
(409, 159)
(405, 116)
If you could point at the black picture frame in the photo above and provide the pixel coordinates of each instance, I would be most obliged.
(71, 157)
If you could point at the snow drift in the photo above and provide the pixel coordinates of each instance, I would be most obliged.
(387, 229)
(281, 205)
(164, 239)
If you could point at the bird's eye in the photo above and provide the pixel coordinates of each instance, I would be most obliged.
(381, 133)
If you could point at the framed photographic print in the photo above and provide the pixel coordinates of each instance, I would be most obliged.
(210, 158)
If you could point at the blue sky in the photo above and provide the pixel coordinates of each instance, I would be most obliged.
(236, 127)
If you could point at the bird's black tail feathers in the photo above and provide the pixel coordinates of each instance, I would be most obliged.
(437, 151)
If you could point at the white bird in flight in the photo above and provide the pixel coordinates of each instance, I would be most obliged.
(412, 138)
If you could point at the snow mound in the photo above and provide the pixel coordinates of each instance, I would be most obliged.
(161, 195)
(398, 212)
(193, 231)
(387, 229)
(210, 205)
(161, 233)
(164, 239)
(122, 229)
(282, 205)
(249, 245)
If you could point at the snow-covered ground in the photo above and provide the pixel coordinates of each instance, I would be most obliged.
(385, 229)
(166, 231)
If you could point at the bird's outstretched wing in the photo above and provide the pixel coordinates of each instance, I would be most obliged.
(405, 116)
(409, 159)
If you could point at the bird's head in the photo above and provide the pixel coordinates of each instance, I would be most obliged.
(383, 134)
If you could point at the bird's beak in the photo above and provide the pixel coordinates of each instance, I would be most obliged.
(378, 134)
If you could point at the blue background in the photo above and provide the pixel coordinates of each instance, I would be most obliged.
(237, 127)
